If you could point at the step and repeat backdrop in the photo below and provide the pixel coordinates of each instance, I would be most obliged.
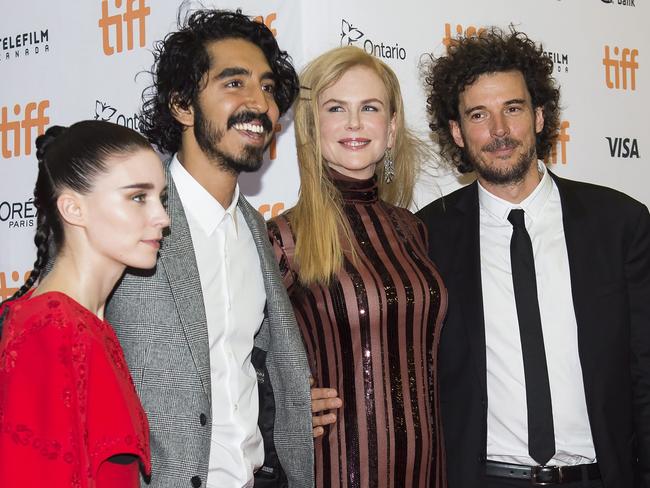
(61, 62)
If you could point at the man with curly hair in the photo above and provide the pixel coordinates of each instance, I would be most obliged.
(544, 360)
(210, 336)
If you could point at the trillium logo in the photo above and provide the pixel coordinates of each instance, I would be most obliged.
(349, 33)
(103, 111)
(107, 113)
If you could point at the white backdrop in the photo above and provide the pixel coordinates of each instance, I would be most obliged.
(61, 62)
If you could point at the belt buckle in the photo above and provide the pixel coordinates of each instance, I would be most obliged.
(549, 475)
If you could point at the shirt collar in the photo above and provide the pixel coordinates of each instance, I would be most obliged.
(532, 205)
(198, 203)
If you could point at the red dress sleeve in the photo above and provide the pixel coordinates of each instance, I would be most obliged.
(41, 431)
(67, 403)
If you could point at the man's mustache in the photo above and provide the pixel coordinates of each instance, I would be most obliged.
(248, 116)
(501, 143)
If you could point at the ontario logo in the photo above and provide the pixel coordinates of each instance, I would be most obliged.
(352, 35)
(24, 44)
(107, 113)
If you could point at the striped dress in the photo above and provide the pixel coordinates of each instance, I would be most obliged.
(372, 334)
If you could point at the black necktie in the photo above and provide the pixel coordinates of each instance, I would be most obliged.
(541, 437)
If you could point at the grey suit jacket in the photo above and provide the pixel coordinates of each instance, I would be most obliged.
(159, 317)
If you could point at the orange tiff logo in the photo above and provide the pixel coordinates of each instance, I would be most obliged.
(25, 121)
(117, 21)
(7, 291)
(267, 21)
(561, 143)
(269, 211)
(470, 31)
(620, 64)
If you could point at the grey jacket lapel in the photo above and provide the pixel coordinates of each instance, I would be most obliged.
(179, 262)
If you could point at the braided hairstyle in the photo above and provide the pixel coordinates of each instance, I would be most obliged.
(71, 158)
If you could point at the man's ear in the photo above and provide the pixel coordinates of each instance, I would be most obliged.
(71, 209)
(183, 114)
(539, 119)
(456, 133)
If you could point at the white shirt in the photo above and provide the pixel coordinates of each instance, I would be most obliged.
(233, 294)
(507, 436)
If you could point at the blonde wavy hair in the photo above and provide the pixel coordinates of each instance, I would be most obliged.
(321, 230)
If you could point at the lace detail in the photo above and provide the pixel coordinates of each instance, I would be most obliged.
(67, 401)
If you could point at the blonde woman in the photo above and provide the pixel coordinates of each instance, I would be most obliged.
(368, 300)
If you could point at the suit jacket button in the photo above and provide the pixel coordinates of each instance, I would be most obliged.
(196, 481)
(203, 419)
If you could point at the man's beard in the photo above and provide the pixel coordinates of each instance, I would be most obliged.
(208, 139)
(504, 175)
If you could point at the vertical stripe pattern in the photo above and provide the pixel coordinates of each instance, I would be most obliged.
(371, 334)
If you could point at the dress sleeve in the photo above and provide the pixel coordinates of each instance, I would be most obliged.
(40, 427)
(283, 245)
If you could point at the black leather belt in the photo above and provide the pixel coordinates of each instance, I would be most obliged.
(543, 475)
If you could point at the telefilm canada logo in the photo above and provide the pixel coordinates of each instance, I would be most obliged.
(108, 113)
(560, 61)
(352, 35)
(24, 45)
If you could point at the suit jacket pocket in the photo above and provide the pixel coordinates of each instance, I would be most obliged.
(609, 288)
(271, 474)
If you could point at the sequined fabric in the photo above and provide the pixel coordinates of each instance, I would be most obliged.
(372, 334)
(67, 402)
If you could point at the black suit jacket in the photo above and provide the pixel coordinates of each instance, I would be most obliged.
(608, 241)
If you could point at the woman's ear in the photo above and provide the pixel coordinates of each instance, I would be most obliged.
(70, 208)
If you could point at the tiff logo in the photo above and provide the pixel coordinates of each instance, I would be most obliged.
(24, 123)
(7, 291)
(118, 20)
(561, 143)
(268, 22)
(470, 31)
(269, 211)
(620, 66)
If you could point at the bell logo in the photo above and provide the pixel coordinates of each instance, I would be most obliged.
(7, 291)
(33, 117)
(116, 21)
(561, 142)
(623, 147)
(620, 65)
(470, 31)
(270, 211)
(267, 21)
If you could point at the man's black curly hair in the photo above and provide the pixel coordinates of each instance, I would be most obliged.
(492, 51)
(181, 60)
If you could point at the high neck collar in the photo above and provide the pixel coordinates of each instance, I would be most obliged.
(353, 190)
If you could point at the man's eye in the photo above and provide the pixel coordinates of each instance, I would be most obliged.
(234, 84)
(269, 88)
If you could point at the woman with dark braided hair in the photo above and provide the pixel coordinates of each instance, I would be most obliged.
(69, 414)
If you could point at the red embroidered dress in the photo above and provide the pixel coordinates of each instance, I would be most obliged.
(67, 401)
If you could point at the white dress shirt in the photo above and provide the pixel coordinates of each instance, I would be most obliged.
(507, 436)
(233, 294)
